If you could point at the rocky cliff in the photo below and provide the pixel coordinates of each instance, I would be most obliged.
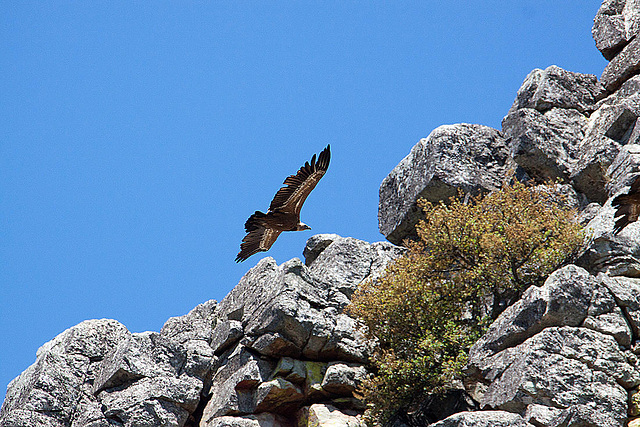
(279, 350)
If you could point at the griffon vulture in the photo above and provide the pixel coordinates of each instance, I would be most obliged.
(627, 207)
(284, 212)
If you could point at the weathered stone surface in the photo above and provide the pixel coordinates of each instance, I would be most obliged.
(154, 401)
(314, 373)
(609, 28)
(146, 354)
(471, 158)
(616, 255)
(225, 334)
(346, 262)
(608, 129)
(294, 310)
(483, 419)
(626, 291)
(555, 87)
(292, 370)
(624, 65)
(315, 245)
(624, 169)
(46, 393)
(343, 378)
(562, 367)
(589, 212)
(557, 356)
(196, 325)
(263, 419)
(233, 384)
(545, 145)
(282, 313)
(564, 299)
(322, 415)
(628, 96)
(278, 395)
(631, 14)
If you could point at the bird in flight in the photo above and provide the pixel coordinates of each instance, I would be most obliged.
(284, 212)
(627, 207)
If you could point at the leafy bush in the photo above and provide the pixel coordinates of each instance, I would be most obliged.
(471, 262)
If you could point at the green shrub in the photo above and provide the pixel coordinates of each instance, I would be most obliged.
(472, 261)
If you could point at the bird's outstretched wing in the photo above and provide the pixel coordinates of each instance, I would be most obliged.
(291, 197)
(627, 207)
(258, 240)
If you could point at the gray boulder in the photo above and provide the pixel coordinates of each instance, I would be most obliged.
(47, 393)
(624, 169)
(628, 96)
(561, 355)
(294, 310)
(615, 255)
(465, 157)
(546, 145)
(608, 29)
(563, 368)
(564, 299)
(279, 327)
(323, 415)
(483, 419)
(263, 419)
(343, 378)
(608, 129)
(345, 263)
(626, 291)
(624, 65)
(555, 87)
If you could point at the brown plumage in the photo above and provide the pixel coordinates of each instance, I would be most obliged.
(627, 207)
(284, 211)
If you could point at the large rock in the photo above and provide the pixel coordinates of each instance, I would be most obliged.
(624, 65)
(263, 419)
(47, 393)
(545, 145)
(279, 327)
(605, 252)
(483, 419)
(608, 129)
(561, 353)
(609, 28)
(98, 373)
(555, 87)
(564, 299)
(563, 367)
(470, 158)
(624, 169)
(295, 310)
(628, 96)
(322, 415)
(278, 341)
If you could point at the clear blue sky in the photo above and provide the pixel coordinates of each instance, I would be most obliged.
(137, 137)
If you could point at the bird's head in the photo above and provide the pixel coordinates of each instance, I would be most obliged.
(302, 226)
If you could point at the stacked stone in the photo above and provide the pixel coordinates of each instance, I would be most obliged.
(277, 351)
(566, 354)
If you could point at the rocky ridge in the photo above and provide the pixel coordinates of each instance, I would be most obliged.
(280, 351)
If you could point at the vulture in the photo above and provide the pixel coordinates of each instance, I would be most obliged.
(627, 207)
(284, 212)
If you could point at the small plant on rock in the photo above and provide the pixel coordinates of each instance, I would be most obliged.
(472, 260)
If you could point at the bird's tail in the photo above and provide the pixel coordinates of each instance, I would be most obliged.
(254, 222)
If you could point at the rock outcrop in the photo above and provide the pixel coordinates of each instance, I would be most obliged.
(276, 351)
(279, 350)
(470, 158)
